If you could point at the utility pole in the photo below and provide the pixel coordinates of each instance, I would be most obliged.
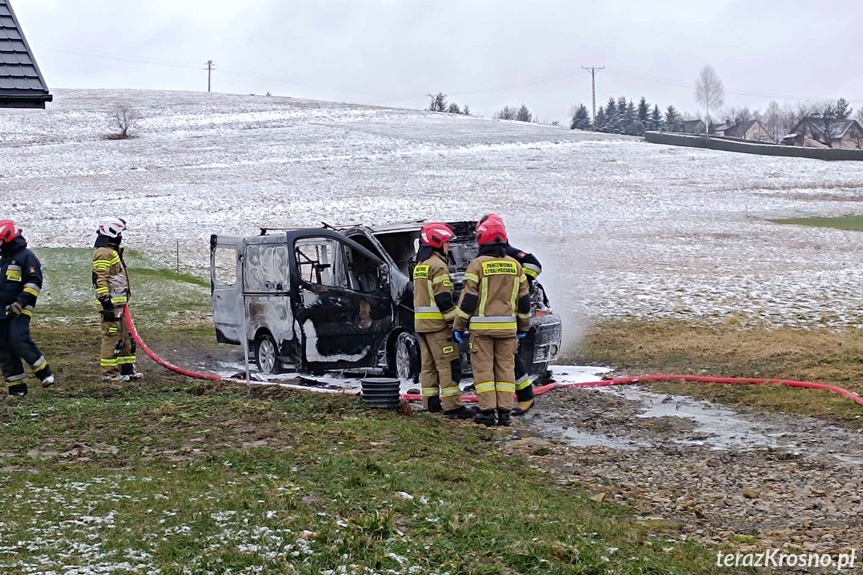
(209, 74)
(593, 70)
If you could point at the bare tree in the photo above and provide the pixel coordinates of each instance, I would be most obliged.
(709, 91)
(125, 118)
(828, 115)
(773, 119)
(466, 110)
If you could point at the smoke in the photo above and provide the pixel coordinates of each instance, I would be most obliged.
(565, 287)
(565, 278)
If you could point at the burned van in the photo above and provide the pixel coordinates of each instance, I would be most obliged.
(333, 298)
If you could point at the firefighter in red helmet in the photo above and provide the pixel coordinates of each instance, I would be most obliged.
(434, 311)
(523, 381)
(495, 304)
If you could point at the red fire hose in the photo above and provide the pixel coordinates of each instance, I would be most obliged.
(130, 324)
(537, 391)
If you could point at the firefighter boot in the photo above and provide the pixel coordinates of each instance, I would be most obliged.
(19, 389)
(503, 417)
(484, 417)
(434, 404)
(461, 412)
(523, 407)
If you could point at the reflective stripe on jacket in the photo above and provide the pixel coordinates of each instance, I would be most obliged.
(109, 275)
(433, 304)
(20, 277)
(496, 299)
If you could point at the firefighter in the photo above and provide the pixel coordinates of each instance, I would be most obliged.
(434, 311)
(495, 304)
(111, 282)
(523, 381)
(20, 285)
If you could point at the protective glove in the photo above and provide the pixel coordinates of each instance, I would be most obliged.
(107, 309)
(521, 334)
(458, 335)
(15, 309)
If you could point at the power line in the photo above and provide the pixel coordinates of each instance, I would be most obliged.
(120, 57)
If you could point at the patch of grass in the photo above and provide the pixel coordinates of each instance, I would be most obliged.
(678, 347)
(184, 477)
(851, 223)
(169, 275)
(158, 295)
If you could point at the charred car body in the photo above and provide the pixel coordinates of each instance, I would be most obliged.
(326, 299)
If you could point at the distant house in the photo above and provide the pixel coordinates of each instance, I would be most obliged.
(692, 127)
(719, 129)
(812, 132)
(21, 81)
(751, 130)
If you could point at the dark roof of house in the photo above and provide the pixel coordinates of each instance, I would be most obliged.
(837, 127)
(21, 81)
(692, 122)
(739, 129)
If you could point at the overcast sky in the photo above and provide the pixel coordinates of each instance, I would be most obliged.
(482, 53)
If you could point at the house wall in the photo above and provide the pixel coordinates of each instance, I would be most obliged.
(757, 133)
(853, 140)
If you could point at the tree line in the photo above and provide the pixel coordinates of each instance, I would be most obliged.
(622, 116)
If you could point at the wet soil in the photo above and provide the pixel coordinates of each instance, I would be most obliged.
(750, 479)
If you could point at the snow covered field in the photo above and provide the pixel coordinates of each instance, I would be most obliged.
(624, 228)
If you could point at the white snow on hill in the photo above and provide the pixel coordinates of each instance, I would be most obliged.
(624, 228)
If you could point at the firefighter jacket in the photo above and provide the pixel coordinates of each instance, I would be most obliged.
(529, 263)
(20, 276)
(109, 272)
(434, 309)
(495, 300)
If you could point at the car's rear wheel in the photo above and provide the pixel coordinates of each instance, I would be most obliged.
(266, 355)
(407, 357)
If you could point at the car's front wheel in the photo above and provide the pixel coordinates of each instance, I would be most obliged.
(266, 354)
(407, 357)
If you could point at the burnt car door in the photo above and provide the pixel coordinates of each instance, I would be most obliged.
(226, 288)
(341, 301)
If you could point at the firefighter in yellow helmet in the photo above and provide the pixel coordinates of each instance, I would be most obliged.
(495, 303)
(111, 282)
(434, 311)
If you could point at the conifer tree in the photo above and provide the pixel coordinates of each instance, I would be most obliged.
(656, 119)
(581, 119)
(672, 120)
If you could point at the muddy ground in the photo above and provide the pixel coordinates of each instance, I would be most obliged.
(753, 479)
(695, 470)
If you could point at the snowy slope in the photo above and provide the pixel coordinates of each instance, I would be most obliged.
(623, 227)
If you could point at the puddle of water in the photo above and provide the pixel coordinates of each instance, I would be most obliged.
(722, 428)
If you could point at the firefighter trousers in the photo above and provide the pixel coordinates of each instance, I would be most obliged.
(441, 369)
(17, 345)
(493, 361)
(118, 349)
(523, 380)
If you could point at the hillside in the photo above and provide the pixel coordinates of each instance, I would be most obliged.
(624, 228)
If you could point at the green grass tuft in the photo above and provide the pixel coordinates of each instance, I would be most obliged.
(850, 223)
